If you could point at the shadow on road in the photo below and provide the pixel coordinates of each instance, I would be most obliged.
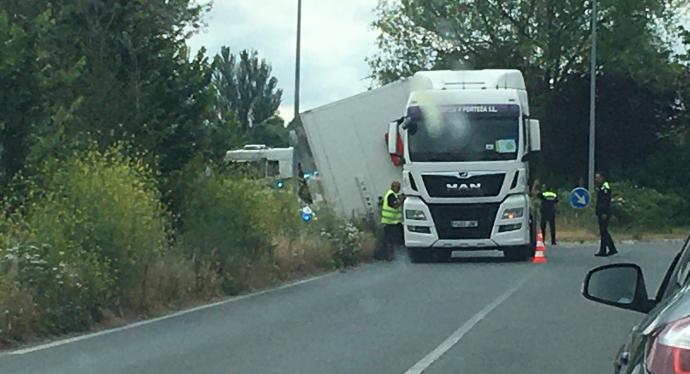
(467, 258)
(478, 259)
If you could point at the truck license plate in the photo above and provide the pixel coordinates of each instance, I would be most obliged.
(464, 224)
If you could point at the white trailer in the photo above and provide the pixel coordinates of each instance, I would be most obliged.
(348, 146)
(464, 138)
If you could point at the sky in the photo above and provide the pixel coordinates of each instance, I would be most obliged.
(336, 39)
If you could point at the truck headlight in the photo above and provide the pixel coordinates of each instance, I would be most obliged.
(414, 214)
(513, 213)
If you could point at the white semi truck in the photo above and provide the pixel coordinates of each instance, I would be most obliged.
(458, 140)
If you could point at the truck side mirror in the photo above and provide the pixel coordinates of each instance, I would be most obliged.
(534, 135)
(393, 138)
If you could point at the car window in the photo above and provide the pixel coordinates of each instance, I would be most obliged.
(678, 273)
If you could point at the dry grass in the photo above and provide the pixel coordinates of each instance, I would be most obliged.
(368, 245)
(172, 282)
(17, 312)
(303, 256)
(574, 234)
(581, 226)
(168, 281)
(567, 233)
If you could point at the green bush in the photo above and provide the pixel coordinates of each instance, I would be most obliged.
(235, 223)
(633, 208)
(640, 207)
(345, 241)
(17, 309)
(83, 236)
(341, 235)
(88, 237)
(231, 222)
(67, 287)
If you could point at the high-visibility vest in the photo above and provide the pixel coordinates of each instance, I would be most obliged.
(390, 215)
(548, 195)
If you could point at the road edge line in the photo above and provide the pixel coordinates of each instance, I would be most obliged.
(75, 339)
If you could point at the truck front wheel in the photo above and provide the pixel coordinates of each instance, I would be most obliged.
(443, 254)
(420, 255)
(518, 253)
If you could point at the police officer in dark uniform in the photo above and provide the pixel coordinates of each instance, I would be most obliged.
(603, 212)
(547, 211)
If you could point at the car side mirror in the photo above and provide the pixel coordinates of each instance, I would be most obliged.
(619, 285)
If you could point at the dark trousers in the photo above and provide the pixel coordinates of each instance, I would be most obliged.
(549, 218)
(605, 236)
(392, 237)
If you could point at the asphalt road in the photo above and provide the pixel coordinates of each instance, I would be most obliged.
(478, 315)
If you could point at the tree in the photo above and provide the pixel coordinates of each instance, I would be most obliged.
(549, 42)
(75, 73)
(271, 132)
(245, 89)
(31, 79)
(546, 39)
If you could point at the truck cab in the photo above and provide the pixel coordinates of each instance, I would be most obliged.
(466, 137)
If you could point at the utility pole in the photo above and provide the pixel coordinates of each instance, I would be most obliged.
(297, 58)
(592, 98)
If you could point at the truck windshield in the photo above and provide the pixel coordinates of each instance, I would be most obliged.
(464, 133)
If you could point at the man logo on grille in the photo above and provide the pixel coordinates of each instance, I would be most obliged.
(463, 186)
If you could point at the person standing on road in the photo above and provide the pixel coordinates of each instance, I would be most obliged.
(603, 212)
(303, 188)
(391, 218)
(547, 212)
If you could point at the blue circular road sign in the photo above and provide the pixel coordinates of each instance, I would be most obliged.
(307, 214)
(579, 198)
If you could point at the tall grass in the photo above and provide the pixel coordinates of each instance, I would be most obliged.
(87, 241)
(638, 213)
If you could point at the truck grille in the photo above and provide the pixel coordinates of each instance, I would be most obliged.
(483, 214)
(477, 186)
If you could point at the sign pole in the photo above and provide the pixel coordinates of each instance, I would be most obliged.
(592, 98)
(297, 55)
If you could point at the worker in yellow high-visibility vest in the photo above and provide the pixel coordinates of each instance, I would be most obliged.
(391, 218)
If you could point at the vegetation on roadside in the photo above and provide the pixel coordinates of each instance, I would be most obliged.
(111, 131)
(112, 207)
(90, 242)
(638, 213)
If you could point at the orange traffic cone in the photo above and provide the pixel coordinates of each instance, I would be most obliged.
(540, 241)
(539, 257)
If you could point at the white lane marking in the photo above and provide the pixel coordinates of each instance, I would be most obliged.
(452, 340)
(162, 318)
